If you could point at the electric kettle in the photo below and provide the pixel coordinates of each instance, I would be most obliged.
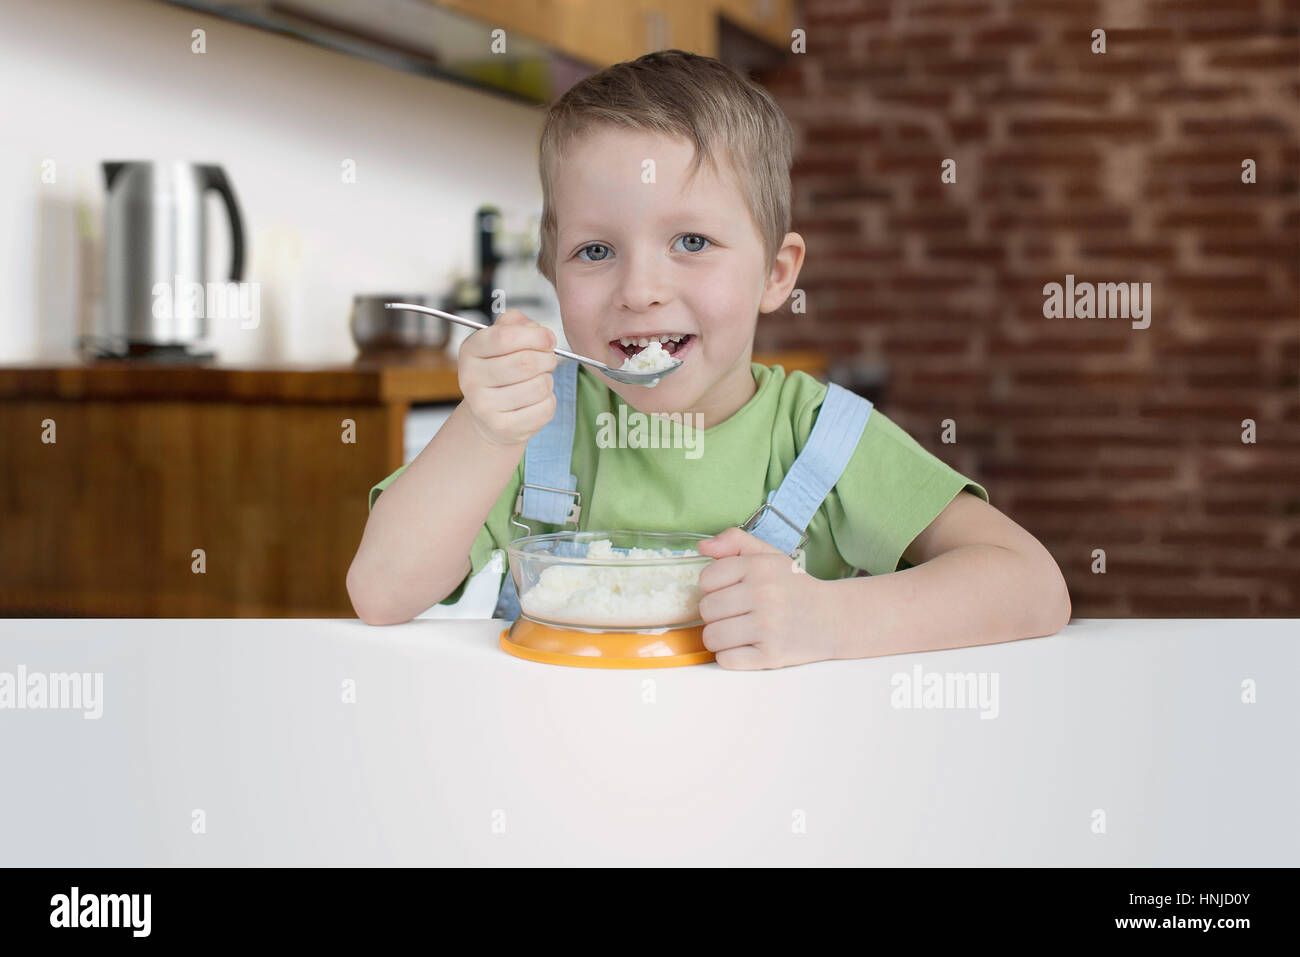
(157, 300)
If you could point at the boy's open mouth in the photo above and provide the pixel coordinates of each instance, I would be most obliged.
(675, 344)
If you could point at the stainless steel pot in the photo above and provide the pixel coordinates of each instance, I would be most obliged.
(396, 332)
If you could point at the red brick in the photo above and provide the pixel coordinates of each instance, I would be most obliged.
(891, 42)
(856, 285)
(1219, 219)
(859, 313)
(964, 130)
(1236, 126)
(1210, 158)
(1119, 37)
(1217, 540)
(850, 192)
(1079, 378)
(1068, 220)
(911, 132)
(1100, 64)
(1128, 251)
(1194, 603)
(897, 346)
(967, 252)
(1006, 34)
(1254, 249)
(1029, 9)
(948, 381)
(910, 96)
(862, 254)
(1281, 59)
(1183, 93)
(823, 165)
(1214, 9)
(822, 13)
(1065, 405)
(966, 66)
(936, 219)
(1236, 30)
(1125, 128)
(1038, 472)
(1233, 283)
(1218, 348)
(952, 10)
(1056, 345)
(837, 226)
(838, 134)
(863, 74)
(1071, 96)
(1044, 159)
(930, 282)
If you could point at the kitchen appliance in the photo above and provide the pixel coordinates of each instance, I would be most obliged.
(506, 243)
(157, 300)
(612, 618)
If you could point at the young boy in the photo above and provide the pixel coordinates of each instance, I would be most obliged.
(666, 209)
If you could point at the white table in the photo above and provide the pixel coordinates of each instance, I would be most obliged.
(456, 753)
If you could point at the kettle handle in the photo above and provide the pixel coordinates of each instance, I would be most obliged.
(110, 172)
(214, 177)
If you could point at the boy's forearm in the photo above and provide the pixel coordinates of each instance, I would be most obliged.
(972, 595)
(419, 533)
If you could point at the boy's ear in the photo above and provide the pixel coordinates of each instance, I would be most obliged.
(781, 280)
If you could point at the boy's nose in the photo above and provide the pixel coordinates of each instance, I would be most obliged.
(644, 283)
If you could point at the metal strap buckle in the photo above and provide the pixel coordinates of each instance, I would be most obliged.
(574, 510)
(753, 520)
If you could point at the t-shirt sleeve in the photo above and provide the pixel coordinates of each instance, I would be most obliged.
(492, 534)
(890, 492)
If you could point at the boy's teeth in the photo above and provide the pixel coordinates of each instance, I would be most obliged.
(643, 341)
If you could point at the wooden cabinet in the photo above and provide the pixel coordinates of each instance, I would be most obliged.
(601, 32)
(250, 465)
(770, 19)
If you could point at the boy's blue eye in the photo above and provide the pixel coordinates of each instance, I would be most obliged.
(697, 243)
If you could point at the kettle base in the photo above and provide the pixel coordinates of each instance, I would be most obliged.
(97, 348)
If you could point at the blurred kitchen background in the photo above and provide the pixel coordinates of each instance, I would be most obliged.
(384, 149)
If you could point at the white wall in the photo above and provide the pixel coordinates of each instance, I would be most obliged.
(85, 81)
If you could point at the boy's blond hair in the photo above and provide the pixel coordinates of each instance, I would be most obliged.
(685, 95)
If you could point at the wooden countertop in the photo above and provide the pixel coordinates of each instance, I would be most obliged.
(428, 380)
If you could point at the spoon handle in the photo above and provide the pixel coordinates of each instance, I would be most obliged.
(412, 307)
(479, 325)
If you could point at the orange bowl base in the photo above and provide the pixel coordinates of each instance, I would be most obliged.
(628, 649)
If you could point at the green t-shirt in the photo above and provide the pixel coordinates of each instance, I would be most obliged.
(890, 491)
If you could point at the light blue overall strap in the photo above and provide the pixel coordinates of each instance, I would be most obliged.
(507, 606)
(547, 461)
(835, 434)
(549, 453)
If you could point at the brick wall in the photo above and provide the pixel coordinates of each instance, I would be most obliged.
(1117, 167)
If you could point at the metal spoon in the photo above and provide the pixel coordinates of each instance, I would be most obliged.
(618, 375)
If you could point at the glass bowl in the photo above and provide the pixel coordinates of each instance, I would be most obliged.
(617, 580)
